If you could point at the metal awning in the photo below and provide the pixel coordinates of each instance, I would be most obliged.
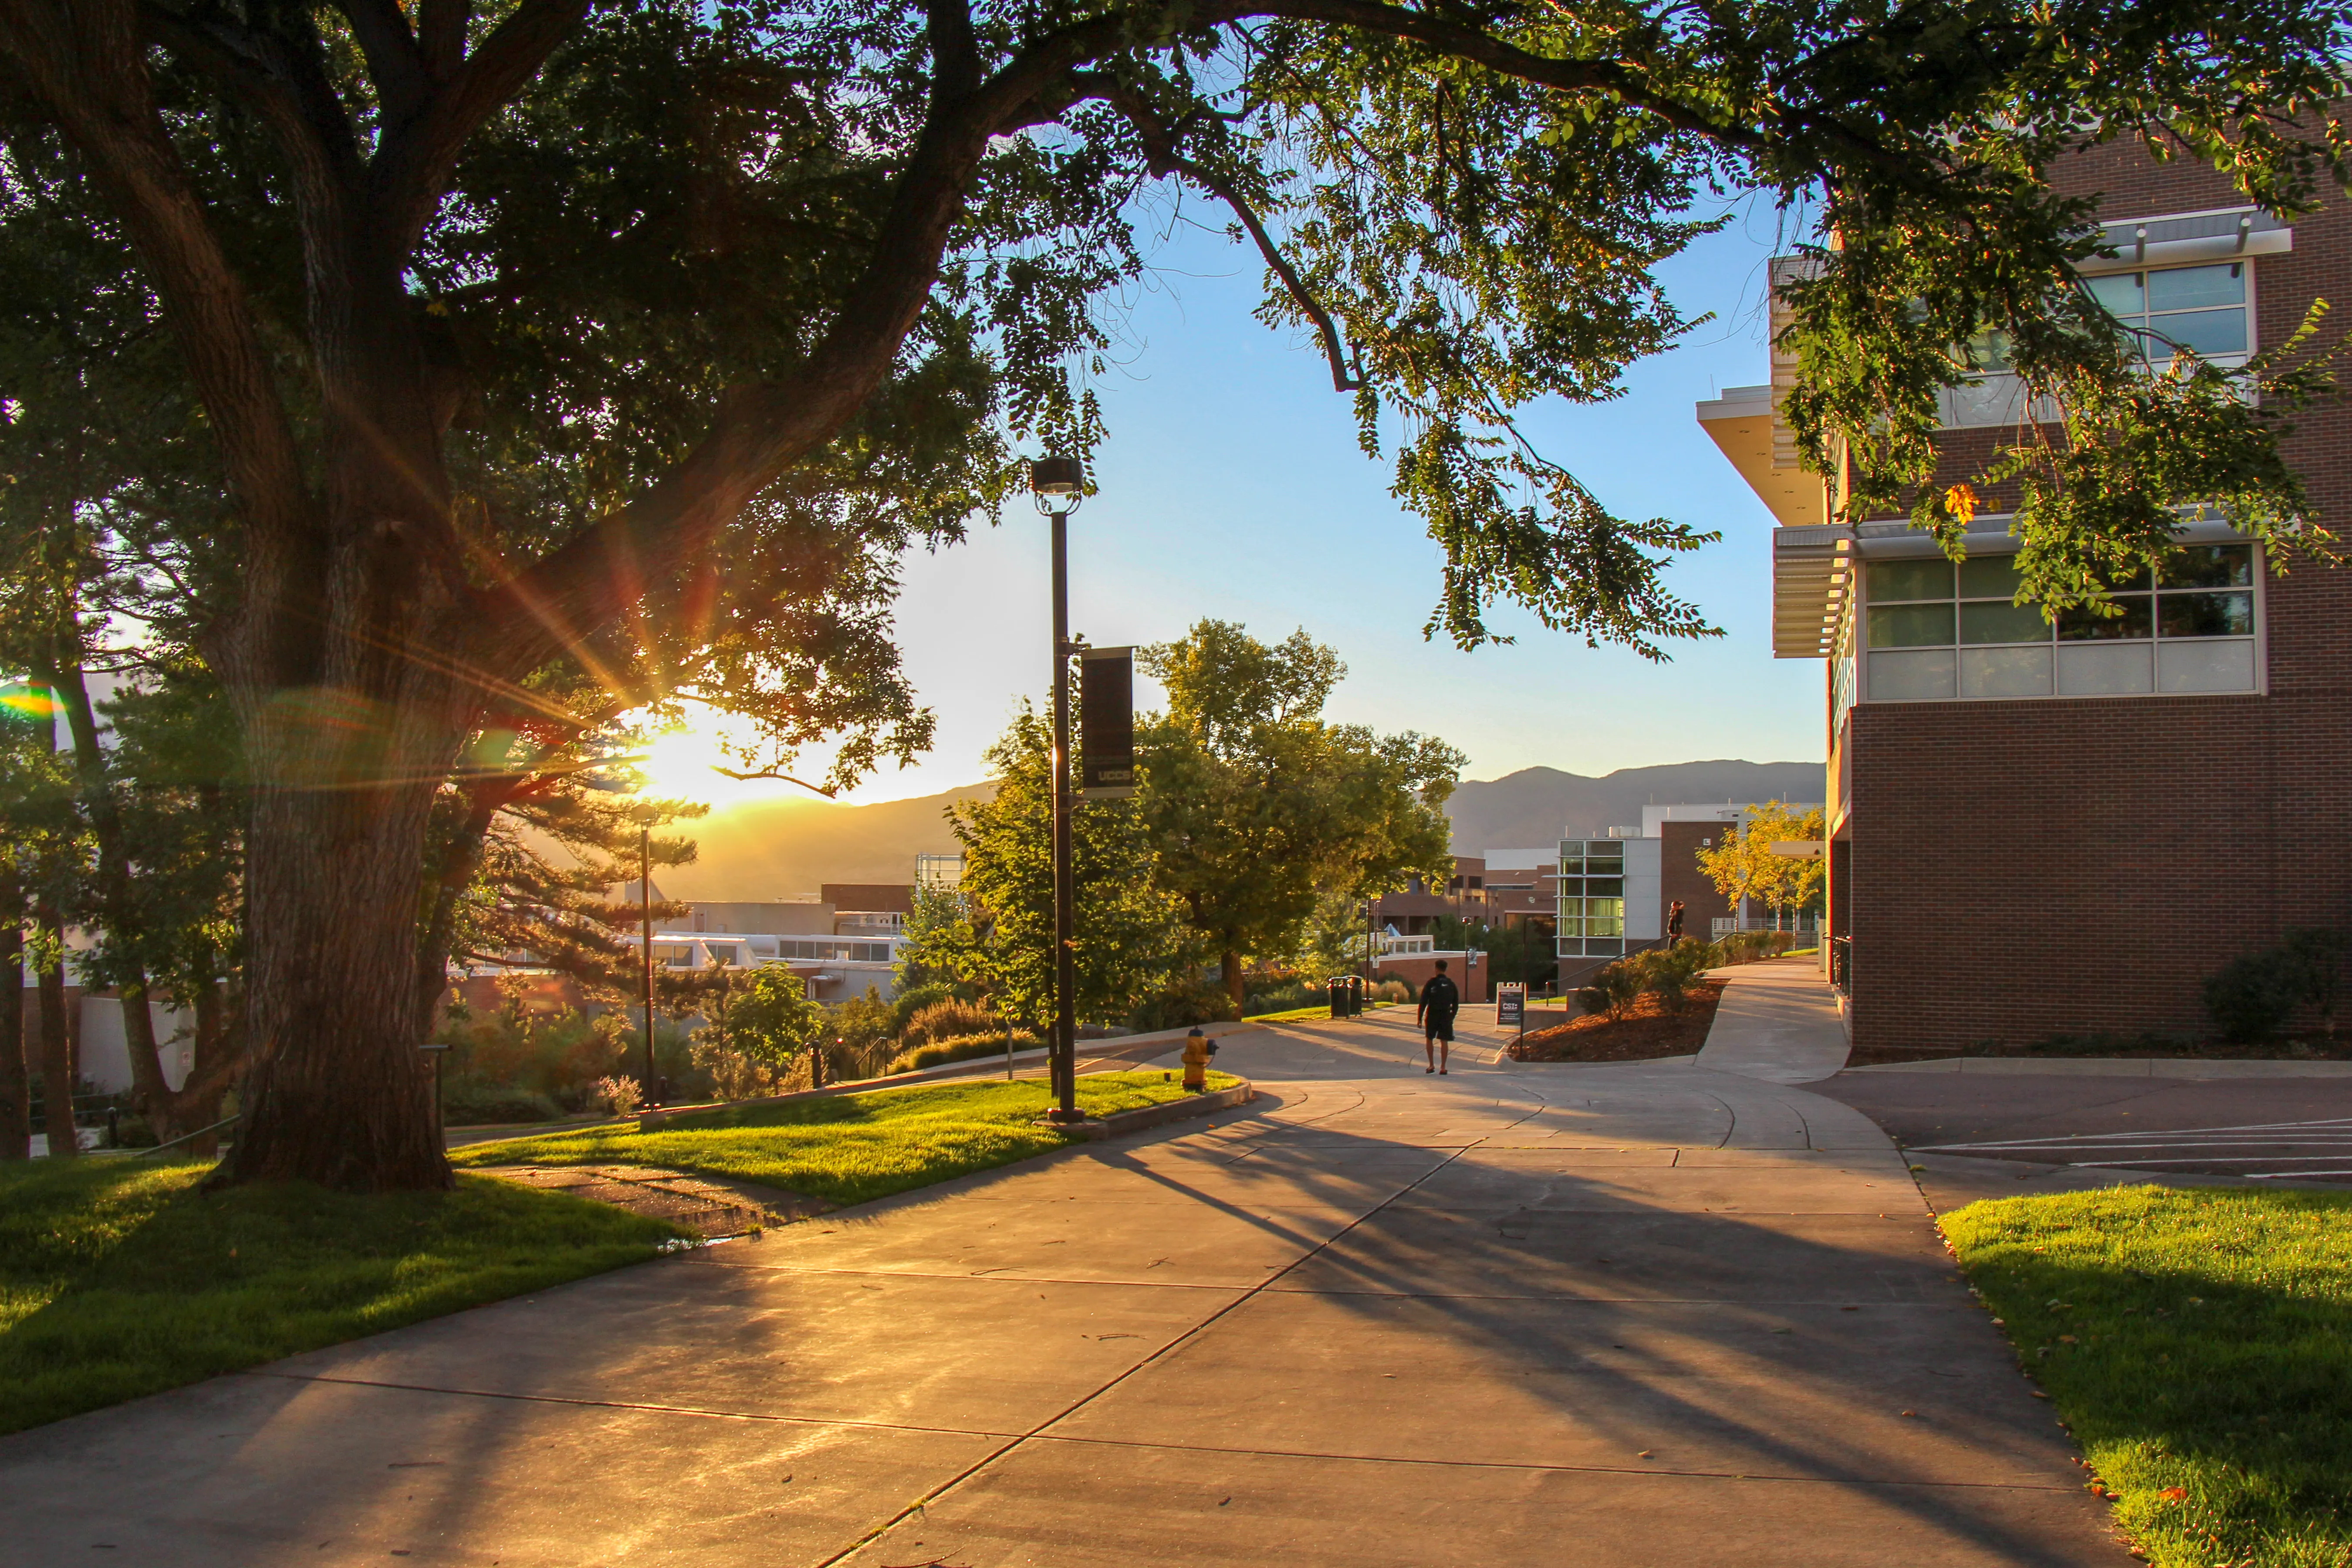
(1813, 575)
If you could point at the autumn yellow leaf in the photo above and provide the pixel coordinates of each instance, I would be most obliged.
(1962, 500)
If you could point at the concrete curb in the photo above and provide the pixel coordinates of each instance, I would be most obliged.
(1127, 1121)
(2114, 1067)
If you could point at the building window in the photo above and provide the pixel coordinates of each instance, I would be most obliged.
(2203, 309)
(1592, 899)
(2206, 308)
(1936, 631)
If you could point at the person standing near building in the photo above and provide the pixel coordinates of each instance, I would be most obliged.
(1674, 922)
(1440, 1000)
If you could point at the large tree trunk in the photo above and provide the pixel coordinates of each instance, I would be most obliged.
(338, 1092)
(16, 1080)
(60, 1074)
(1236, 986)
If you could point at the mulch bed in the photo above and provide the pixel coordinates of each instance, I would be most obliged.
(1649, 1032)
(708, 1205)
(2317, 1048)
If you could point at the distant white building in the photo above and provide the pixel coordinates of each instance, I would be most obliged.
(837, 955)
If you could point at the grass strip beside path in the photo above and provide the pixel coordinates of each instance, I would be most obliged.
(854, 1147)
(2198, 1344)
(119, 1279)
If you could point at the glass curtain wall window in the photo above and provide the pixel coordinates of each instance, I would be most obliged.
(2207, 309)
(1936, 632)
(2203, 309)
(1592, 899)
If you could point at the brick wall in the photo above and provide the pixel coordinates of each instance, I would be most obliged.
(1680, 877)
(2023, 869)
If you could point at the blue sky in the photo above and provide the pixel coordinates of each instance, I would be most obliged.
(1231, 487)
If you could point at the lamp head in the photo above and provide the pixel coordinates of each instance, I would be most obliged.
(1053, 481)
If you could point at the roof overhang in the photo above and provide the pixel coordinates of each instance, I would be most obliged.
(1740, 424)
(2224, 234)
(1813, 577)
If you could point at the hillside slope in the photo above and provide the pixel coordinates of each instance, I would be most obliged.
(786, 848)
(1540, 806)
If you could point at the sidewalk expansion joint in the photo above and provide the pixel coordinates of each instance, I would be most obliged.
(652, 1408)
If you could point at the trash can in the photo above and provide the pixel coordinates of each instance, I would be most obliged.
(1338, 985)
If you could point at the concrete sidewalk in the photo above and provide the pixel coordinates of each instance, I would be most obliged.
(1522, 1314)
(1777, 1021)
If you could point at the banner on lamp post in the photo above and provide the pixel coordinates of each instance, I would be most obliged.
(1107, 723)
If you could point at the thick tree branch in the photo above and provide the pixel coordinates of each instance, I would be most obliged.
(758, 430)
(395, 64)
(955, 54)
(282, 80)
(84, 61)
(441, 35)
(413, 164)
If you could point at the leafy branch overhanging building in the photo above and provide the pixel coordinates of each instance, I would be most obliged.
(2038, 830)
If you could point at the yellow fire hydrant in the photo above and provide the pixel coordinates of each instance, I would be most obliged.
(1198, 1049)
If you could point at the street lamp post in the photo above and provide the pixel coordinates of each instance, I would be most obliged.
(1058, 484)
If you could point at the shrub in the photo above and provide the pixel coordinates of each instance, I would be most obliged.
(2254, 996)
(1285, 998)
(1668, 972)
(475, 1104)
(913, 1000)
(1665, 972)
(557, 1053)
(735, 1076)
(949, 1018)
(1395, 988)
(1749, 946)
(1182, 1006)
(939, 1053)
(618, 1096)
(1613, 989)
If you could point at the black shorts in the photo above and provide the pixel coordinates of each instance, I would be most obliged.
(1439, 1029)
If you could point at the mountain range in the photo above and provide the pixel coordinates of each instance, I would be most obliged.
(1537, 806)
(786, 848)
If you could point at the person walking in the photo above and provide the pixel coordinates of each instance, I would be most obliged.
(1674, 922)
(1440, 1000)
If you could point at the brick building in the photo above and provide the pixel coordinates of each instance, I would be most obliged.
(2036, 831)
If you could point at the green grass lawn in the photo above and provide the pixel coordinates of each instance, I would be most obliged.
(118, 1278)
(852, 1147)
(1320, 1010)
(2198, 1344)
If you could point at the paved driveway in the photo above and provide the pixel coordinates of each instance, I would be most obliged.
(1517, 1314)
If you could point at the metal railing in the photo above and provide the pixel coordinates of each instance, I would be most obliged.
(1725, 925)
